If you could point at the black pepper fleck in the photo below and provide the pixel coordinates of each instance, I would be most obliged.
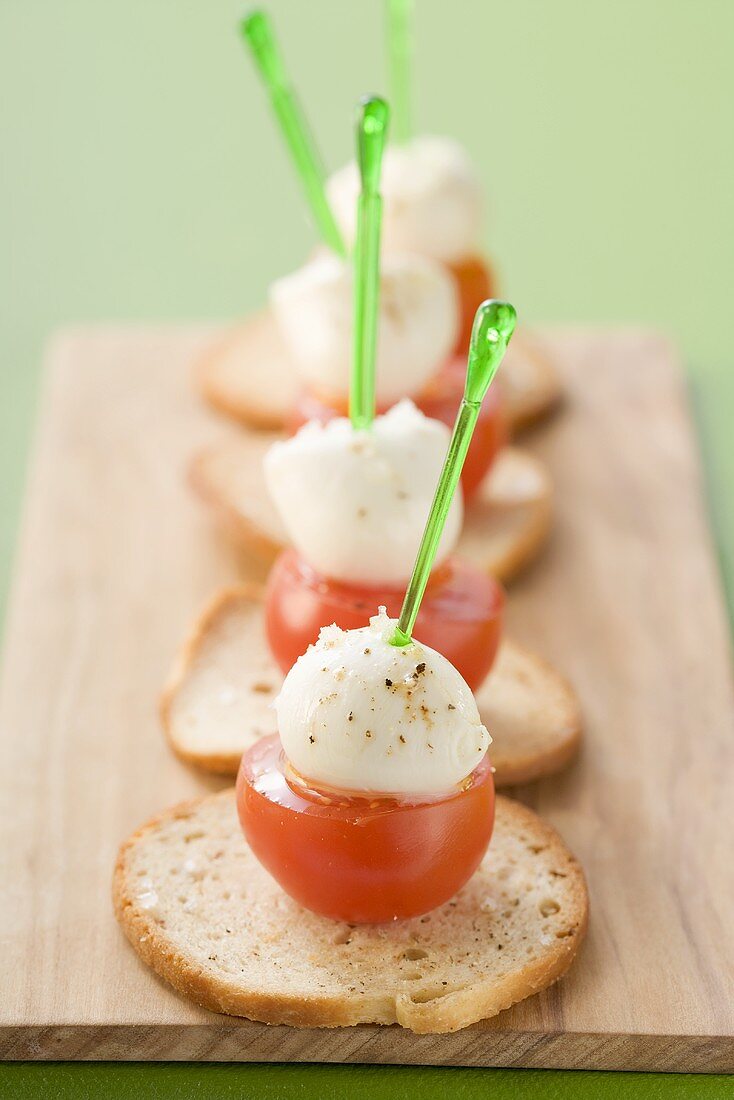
(388, 682)
(451, 706)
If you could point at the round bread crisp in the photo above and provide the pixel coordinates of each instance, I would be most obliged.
(248, 376)
(530, 384)
(219, 697)
(200, 910)
(505, 527)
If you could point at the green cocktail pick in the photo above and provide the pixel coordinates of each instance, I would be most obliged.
(493, 326)
(257, 31)
(398, 23)
(372, 123)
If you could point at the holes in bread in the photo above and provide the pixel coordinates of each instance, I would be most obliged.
(415, 953)
(196, 834)
(261, 687)
(433, 993)
(549, 907)
(343, 935)
(536, 849)
(565, 933)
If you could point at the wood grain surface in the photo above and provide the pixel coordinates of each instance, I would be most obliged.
(114, 559)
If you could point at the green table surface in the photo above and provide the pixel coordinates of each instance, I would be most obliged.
(142, 179)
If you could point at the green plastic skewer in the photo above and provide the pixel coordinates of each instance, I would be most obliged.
(399, 42)
(493, 327)
(258, 32)
(372, 124)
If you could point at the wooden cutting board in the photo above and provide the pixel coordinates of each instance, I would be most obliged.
(115, 558)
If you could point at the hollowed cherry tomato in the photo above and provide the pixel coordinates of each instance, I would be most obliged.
(361, 859)
(460, 616)
(475, 282)
(440, 400)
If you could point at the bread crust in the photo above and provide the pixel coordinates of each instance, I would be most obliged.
(543, 398)
(513, 768)
(241, 403)
(475, 1001)
(218, 763)
(237, 524)
(522, 550)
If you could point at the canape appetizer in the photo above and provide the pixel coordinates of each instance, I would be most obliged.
(379, 770)
(375, 801)
(302, 337)
(354, 503)
(354, 495)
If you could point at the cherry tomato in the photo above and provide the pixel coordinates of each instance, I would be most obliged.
(440, 400)
(460, 616)
(475, 282)
(361, 859)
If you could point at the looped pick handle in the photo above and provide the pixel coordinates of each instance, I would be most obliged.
(258, 30)
(372, 122)
(493, 327)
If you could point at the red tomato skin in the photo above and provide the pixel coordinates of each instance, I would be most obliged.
(475, 282)
(361, 859)
(439, 400)
(461, 614)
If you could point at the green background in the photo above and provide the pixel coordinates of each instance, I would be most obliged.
(142, 179)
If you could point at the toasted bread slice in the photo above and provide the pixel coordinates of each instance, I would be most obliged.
(198, 908)
(505, 527)
(248, 376)
(218, 699)
(531, 386)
